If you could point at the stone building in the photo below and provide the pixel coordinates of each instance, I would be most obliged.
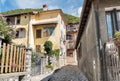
(100, 19)
(71, 35)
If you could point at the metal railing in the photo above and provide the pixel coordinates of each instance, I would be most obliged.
(70, 44)
(71, 29)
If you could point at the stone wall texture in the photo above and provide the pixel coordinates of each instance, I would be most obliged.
(88, 52)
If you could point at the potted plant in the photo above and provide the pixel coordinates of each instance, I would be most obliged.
(117, 38)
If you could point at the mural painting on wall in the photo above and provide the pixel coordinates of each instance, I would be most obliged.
(48, 31)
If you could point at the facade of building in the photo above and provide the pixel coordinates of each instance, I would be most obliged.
(99, 21)
(34, 28)
(71, 34)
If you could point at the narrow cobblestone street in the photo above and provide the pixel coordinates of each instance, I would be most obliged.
(66, 73)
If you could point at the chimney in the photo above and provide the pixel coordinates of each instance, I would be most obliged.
(45, 7)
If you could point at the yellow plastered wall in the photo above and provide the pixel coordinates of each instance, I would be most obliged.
(40, 16)
(21, 40)
(46, 15)
(24, 20)
(55, 39)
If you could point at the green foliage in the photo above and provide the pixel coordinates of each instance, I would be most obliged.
(35, 59)
(6, 31)
(117, 35)
(18, 11)
(50, 66)
(56, 52)
(69, 18)
(3, 26)
(48, 47)
(32, 64)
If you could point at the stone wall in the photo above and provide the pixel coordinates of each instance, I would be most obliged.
(103, 4)
(88, 54)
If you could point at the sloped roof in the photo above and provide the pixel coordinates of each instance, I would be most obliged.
(69, 18)
(83, 21)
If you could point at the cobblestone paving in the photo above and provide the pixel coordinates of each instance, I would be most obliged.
(66, 73)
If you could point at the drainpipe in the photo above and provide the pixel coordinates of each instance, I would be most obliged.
(28, 45)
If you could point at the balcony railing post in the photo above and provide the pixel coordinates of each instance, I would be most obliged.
(28, 65)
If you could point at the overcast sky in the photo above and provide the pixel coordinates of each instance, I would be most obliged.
(72, 7)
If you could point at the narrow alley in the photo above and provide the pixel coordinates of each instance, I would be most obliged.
(60, 40)
(66, 73)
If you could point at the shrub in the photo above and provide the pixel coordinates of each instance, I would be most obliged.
(56, 52)
(117, 35)
(48, 48)
(117, 38)
(50, 66)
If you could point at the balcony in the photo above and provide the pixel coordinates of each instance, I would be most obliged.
(70, 44)
(71, 29)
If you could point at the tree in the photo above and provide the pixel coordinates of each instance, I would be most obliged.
(3, 26)
(6, 31)
(48, 48)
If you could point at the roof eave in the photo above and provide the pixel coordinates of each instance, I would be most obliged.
(84, 16)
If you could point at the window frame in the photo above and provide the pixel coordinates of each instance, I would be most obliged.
(37, 35)
(18, 20)
(18, 33)
(114, 20)
(69, 37)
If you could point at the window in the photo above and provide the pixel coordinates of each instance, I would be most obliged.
(109, 24)
(70, 54)
(38, 48)
(10, 20)
(17, 34)
(113, 22)
(21, 33)
(18, 19)
(38, 33)
(69, 37)
(25, 17)
(48, 31)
